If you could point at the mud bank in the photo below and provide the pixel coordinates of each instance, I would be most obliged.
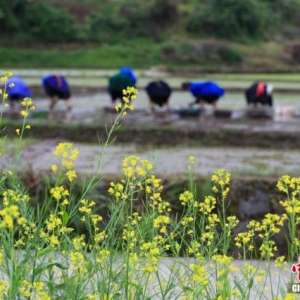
(249, 198)
(169, 162)
(264, 135)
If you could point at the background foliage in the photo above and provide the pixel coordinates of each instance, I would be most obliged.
(105, 20)
(213, 33)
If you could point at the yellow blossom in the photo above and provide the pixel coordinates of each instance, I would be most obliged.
(71, 175)
(199, 275)
(279, 261)
(59, 192)
(186, 197)
(129, 95)
(54, 168)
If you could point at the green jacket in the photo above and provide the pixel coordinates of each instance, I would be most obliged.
(119, 82)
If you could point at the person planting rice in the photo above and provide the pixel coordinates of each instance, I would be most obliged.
(159, 93)
(56, 88)
(119, 82)
(259, 93)
(17, 90)
(206, 92)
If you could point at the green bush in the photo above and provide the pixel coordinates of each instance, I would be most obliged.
(11, 13)
(35, 21)
(231, 19)
(47, 23)
(132, 19)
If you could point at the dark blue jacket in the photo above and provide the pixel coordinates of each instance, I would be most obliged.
(206, 89)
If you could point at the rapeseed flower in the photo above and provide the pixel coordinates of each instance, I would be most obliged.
(129, 95)
(67, 153)
(134, 167)
(59, 192)
(117, 191)
(186, 197)
(221, 180)
(208, 205)
(71, 175)
(78, 262)
(279, 261)
(199, 275)
(102, 256)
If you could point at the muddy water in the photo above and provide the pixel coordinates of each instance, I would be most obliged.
(86, 104)
(91, 97)
(230, 101)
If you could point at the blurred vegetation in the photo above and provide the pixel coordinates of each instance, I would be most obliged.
(104, 20)
(181, 31)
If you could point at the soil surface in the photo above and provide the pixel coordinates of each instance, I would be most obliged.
(168, 162)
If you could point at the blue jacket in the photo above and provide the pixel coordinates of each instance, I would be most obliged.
(17, 88)
(130, 73)
(206, 88)
(56, 83)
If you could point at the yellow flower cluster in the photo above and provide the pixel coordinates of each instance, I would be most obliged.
(186, 197)
(194, 249)
(79, 242)
(290, 296)
(102, 256)
(60, 193)
(78, 262)
(221, 181)
(129, 95)
(8, 215)
(231, 222)
(186, 220)
(208, 205)
(279, 261)
(151, 252)
(55, 229)
(86, 206)
(117, 191)
(161, 223)
(71, 175)
(287, 184)
(130, 230)
(135, 167)
(199, 275)
(248, 270)
(27, 107)
(267, 249)
(209, 234)
(245, 239)
(291, 187)
(153, 189)
(222, 259)
(11, 197)
(5, 76)
(11, 211)
(36, 290)
(3, 289)
(53, 222)
(271, 224)
(3, 79)
(67, 153)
